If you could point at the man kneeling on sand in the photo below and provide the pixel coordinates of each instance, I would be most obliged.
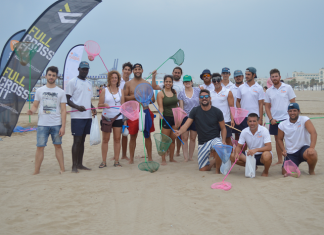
(258, 141)
(209, 123)
(300, 137)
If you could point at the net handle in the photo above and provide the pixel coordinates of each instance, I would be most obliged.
(141, 111)
(157, 68)
(309, 118)
(233, 164)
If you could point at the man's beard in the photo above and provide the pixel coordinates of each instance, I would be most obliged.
(239, 83)
(50, 82)
(206, 104)
(176, 78)
(140, 76)
(294, 119)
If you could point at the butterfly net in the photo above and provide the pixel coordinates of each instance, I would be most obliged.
(25, 51)
(291, 169)
(130, 109)
(143, 93)
(239, 114)
(178, 57)
(234, 143)
(149, 166)
(178, 114)
(223, 151)
(92, 48)
(162, 143)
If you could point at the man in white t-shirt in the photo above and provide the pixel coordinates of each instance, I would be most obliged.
(277, 99)
(300, 138)
(238, 77)
(206, 77)
(51, 118)
(258, 140)
(226, 73)
(250, 96)
(78, 95)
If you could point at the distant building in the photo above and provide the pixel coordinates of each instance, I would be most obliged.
(305, 77)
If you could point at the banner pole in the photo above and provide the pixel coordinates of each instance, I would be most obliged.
(29, 84)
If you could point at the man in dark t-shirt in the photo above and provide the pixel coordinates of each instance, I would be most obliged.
(210, 124)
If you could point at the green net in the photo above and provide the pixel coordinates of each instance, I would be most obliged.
(162, 143)
(149, 166)
(25, 51)
(178, 57)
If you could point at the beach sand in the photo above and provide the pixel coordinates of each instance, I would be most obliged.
(177, 199)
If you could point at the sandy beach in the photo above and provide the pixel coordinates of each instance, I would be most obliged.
(177, 199)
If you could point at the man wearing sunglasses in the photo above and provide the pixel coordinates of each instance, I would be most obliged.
(225, 75)
(210, 125)
(223, 99)
(206, 77)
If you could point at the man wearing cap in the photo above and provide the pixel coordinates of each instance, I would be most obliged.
(277, 99)
(133, 128)
(258, 140)
(226, 73)
(250, 96)
(206, 77)
(300, 138)
(223, 99)
(238, 77)
(79, 94)
(210, 124)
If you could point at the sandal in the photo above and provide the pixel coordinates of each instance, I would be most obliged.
(102, 165)
(117, 164)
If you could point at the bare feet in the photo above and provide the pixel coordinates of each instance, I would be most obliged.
(36, 173)
(61, 171)
(75, 169)
(131, 162)
(217, 171)
(186, 159)
(126, 158)
(278, 163)
(163, 163)
(190, 159)
(177, 154)
(173, 160)
(312, 172)
(264, 174)
(81, 167)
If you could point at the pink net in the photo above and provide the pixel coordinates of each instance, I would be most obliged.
(92, 48)
(239, 114)
(291, 169)
(222, 185)
(269, 83)
(130, 109)
(178, 115)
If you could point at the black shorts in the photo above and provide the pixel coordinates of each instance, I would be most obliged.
(80, 127)
(273, 129)
(257, 158)
(297, 157)
(170, 120)
(240, 127)
(116, 123)
(192, 127)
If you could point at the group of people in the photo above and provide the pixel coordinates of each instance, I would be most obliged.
(209, 117)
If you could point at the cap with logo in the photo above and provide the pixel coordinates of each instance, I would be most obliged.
(226, 70)
(187, 78)
(252, 70)
(293, 106)
(137, 65)
(206, 71)
(84, 64)
(238, 73)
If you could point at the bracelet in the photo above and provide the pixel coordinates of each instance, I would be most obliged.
(271, 119)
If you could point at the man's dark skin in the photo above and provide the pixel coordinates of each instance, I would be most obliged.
(78, 141)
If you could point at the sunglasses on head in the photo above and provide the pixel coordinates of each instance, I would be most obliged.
(204, 96)
(206, 76)
(216, 79)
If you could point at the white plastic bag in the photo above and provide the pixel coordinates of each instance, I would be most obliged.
(225, 167)
(250, 166)
(141, 120)
(125, 132)
(95, 132)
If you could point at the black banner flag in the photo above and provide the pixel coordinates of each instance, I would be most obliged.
(48, 32)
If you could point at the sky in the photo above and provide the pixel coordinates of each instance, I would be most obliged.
(287, 35)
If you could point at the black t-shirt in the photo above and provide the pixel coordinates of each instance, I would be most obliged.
(207, 123)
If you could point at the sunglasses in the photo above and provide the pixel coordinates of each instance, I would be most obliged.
(216, 79)
(204, 96)
(206, 76)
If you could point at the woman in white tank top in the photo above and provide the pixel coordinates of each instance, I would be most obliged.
(112, 95)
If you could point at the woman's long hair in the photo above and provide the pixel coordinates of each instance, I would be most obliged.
(170, 76)
(110, 76)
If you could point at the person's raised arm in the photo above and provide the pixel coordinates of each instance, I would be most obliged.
(160, 103)
(223, 131)
(311, 129)
(280, 142)
(154, 85)
(230, 100)
(127, 95)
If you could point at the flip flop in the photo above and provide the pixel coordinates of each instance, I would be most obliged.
(117, 164)
(102, 165)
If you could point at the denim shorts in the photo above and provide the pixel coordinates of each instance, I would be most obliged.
(44, 131)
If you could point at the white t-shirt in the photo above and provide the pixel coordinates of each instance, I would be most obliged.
(210, 87)
(81, 94)
(258, 140)
(112, 100)
(296, 134)
(122, 83)
(250, 97)
(229, 85)
(177, 86)
(50, 100)
(279, 100)
(219, 100)
(234, 92)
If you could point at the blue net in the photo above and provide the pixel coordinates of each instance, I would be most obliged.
(143, 93)
(223, 151)
(21, 129)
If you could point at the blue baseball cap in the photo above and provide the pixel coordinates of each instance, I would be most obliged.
(293, 106)
(84, 64)
(238, 73)
(226, 70)
(252, 70)
(206, 71)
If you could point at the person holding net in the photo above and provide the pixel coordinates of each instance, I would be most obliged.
(206, 77)
(258, 140)
(277, 99)
(188, 99)
(112, 120)
(210, 125)
(51, 101)
(300, 137)
(129, 90)
(167, 99)
(226, 83)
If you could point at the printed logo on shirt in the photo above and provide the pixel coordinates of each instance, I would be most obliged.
(259, 135)
(222, 95)
(89, 89)
(49, 102)
(299, 126)
(254, 90)
(283, 91)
